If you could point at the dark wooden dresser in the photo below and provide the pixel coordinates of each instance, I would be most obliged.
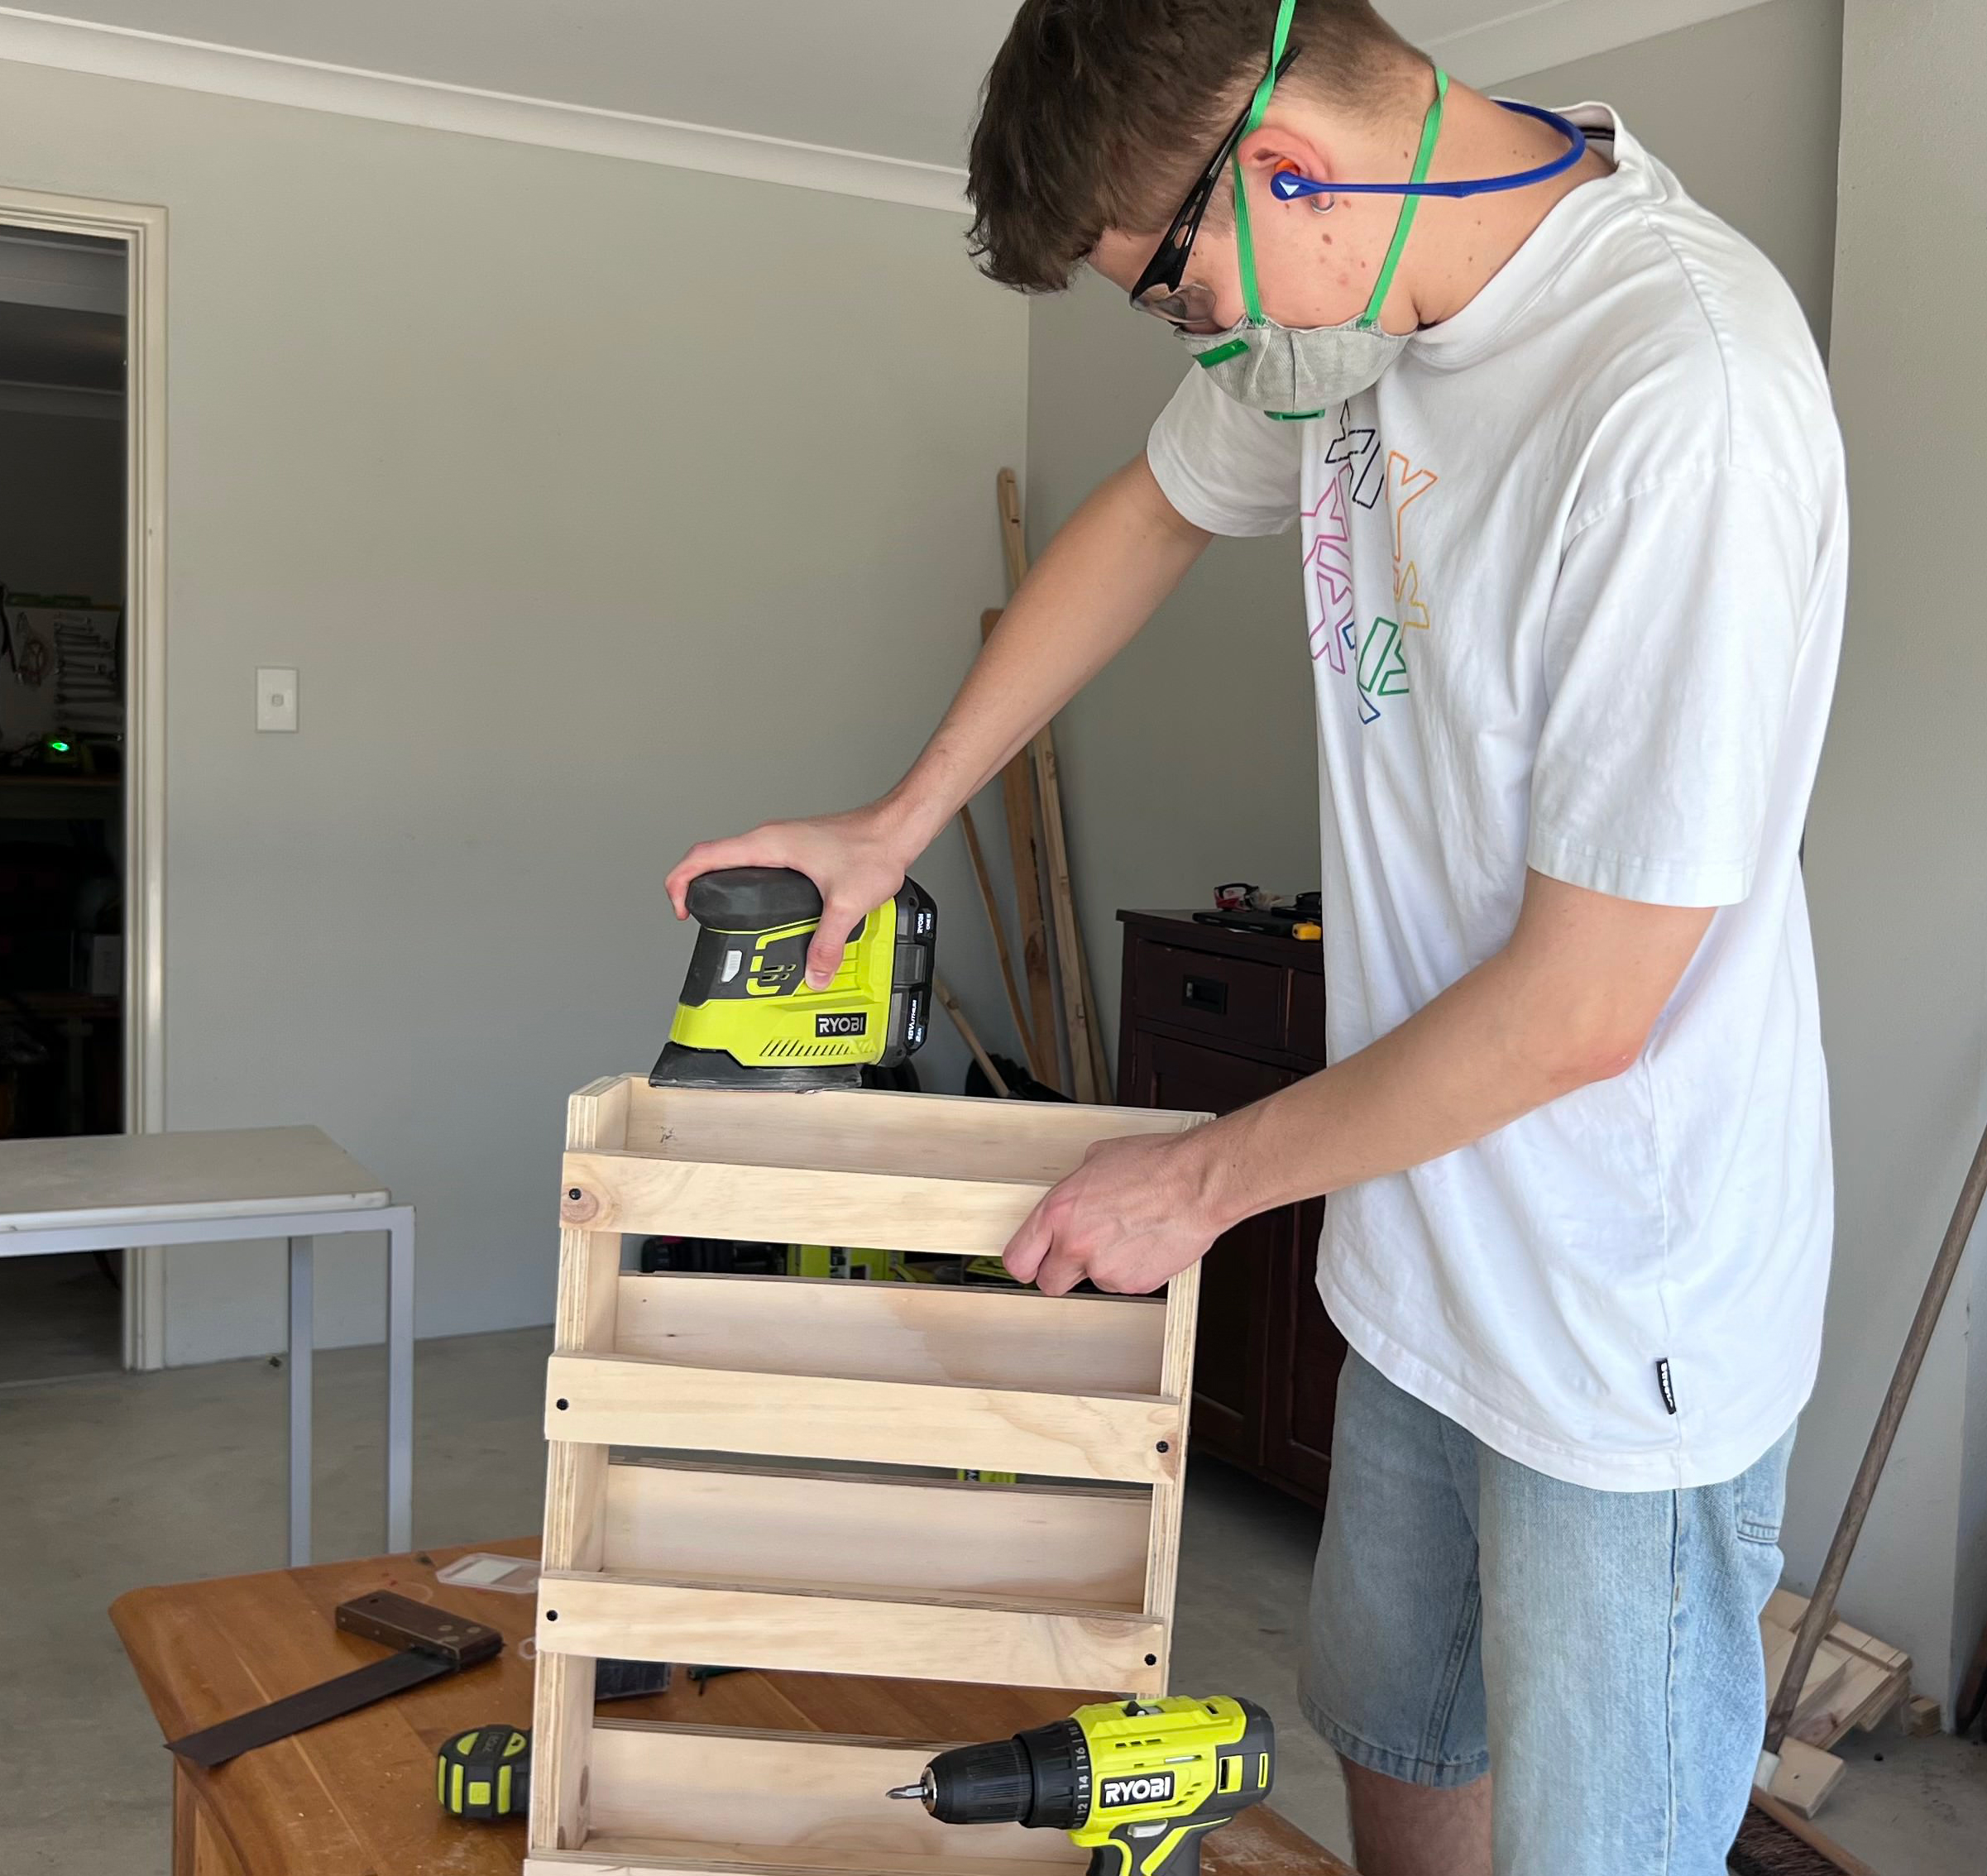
(1213, 1020)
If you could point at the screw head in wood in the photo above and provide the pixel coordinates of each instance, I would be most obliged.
(552, 1615)
(560, 1405)
(579, 1206)
(1164, 1447)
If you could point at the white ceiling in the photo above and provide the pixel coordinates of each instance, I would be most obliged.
(895, 79)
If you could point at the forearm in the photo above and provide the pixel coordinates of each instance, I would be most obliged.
(1462, 1066)
(1571, 999)
(1100, 580)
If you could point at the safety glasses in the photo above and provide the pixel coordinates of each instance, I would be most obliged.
(1162, 290)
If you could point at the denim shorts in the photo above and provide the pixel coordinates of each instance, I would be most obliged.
(1599, 1650)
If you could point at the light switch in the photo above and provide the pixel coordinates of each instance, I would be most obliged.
(276, 696)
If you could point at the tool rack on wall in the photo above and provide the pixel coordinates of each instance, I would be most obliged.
(820, 1526)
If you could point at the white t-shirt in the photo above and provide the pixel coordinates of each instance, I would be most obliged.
(1574, 572)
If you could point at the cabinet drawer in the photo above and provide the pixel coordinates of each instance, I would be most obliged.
(1228, 997)
(1307, 1016)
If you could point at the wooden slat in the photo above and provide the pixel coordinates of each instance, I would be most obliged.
(735, 1792)
(576, 1490)
(1806, 1776)
(648, 1619)
(876, 1211)
(936, 1135)
(616, 1400)
(895, 1332)
(861, 1533)
(639, 1856)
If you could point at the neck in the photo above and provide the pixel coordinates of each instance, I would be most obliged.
(1459, 246)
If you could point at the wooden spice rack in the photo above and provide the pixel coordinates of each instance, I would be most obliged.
(760, 1471)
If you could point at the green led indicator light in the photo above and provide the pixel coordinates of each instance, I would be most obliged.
(59, 747)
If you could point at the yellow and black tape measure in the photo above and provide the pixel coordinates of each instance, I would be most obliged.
(485, 1773)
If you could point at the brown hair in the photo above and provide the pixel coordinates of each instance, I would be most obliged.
(1097, 114)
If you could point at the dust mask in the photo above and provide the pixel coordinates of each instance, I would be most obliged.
(1295, 371)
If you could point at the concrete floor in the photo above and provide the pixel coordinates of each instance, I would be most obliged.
(60, 1316)
(114, 1480)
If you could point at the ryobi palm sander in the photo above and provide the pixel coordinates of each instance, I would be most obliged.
(747, 1017)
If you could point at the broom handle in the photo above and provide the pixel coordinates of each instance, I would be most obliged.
(1821, 1605)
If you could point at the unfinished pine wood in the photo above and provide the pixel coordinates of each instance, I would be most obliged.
(769, 1528)
(576, 1489)
(1853, 1681)
(739, 1792)
(895, 1332)
(1018, 807)
(1806, 1776)
(794, 1204)
(1023, 1034)
(649, 1619)
(618, 1400)
(645, 1856)
(945, 1137)
(1068, 1586)
(1175, 1383)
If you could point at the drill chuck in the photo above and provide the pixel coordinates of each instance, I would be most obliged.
(1041, 1777)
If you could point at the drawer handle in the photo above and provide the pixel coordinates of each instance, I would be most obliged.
(1208, 993)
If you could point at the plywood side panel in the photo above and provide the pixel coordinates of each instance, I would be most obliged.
(769, 1527)
(614, 1400)
(915, 1332)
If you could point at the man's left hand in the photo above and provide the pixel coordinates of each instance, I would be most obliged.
(1134, 1214)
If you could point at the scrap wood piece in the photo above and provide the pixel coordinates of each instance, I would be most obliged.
(1030, 1053)
(1921, 1717)
(1087, 1067)
(1805, 1776)
(1017, 805)
(1853, 1681)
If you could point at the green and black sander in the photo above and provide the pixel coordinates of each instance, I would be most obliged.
(747, 1017)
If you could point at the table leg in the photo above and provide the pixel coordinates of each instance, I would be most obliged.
(399, 1381)
(198, 1849)
(300, 1350)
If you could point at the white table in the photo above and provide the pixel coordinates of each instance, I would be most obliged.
(104, 1192)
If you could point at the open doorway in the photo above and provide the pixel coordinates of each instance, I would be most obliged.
(81, 799)
(63, 455)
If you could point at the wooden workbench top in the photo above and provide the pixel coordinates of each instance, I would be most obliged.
(356, 1796)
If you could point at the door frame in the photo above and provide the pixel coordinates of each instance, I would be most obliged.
(141, 227)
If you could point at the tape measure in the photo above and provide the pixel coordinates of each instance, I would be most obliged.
(485, 1773)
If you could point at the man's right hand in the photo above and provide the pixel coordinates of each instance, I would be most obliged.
(856, 858)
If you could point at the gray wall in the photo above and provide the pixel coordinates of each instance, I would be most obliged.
(62, 504)
(1745, 109)
(1897, 861)
(1193, 759)
(590, 535)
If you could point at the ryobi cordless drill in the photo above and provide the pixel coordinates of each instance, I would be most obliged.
(1137, 1783)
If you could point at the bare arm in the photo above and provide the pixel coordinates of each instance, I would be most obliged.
(1569, 1000)
(1102, 578)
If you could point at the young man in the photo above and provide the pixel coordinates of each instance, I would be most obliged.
(1574, 542)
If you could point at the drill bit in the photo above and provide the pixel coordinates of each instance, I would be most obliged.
(917, 1791)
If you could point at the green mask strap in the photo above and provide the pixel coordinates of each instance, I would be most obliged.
(1252, 300)
(1431, 132)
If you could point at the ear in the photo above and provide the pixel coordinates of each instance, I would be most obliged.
(1278, 144)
